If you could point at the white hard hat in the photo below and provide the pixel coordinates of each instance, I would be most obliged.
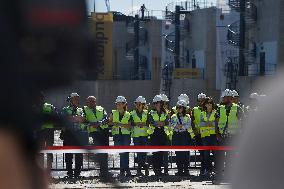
(120, 99)
(235, 93)
(201, 95)
(253, 96)
(184, 97)
(74, 95)
(157, 98)
(164, 98)
(227, 92)
(140, 99)
(182, 103)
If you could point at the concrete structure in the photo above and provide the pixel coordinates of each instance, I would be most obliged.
(106, 92)
(124, 47)
(200, 44)
(268, 38)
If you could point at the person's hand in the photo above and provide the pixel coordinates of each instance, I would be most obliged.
(95, 125)
(179, 126)
(141, 125)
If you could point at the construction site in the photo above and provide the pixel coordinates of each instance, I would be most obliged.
(195, 47)
(144, 94)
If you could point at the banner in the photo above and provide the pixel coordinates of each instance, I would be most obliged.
(186, 73)
(102, 27)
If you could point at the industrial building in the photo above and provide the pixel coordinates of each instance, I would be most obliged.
(195, 47)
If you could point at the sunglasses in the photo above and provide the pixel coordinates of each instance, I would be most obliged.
(179, 107)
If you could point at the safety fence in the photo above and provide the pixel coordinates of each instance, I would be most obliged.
(89, 154)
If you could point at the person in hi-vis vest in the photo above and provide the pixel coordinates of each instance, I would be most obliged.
(139, 118)
(158, 119)
(97, 122)
(208, 122)
(120, 120)
(74, 133)
(180, 123)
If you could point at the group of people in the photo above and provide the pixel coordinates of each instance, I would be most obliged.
(206, 124)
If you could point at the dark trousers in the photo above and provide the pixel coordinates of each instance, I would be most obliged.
(78, 164)
(123, 140)
(141, 156)
(198, 142)
(182, 158)
(101, 138)
(208, 141)
(158, 138)
(71, 138)
(46, 138)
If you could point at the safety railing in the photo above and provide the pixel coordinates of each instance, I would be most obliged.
(113, 159)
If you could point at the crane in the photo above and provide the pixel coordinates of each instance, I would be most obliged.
(107, 5)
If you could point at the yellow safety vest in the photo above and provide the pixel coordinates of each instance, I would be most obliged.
(137, 131)
(125, 119)
(174, 118)
(79, 112)
(156, 118)
(196, 122)
(92, 117)
(233, 123)
(47, 109)
(222, 118)
(207, 130)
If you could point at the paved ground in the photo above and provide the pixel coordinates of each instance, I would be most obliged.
(192, 182)
(169, 185)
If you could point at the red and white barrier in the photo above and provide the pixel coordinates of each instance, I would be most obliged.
(121, 149)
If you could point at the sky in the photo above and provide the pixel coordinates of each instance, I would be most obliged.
(125, 6)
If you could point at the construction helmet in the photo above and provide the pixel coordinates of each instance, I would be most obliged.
(71, 96)
(182, 103)
(164, 98)
(201, 96)
(121, 99)
(157, 98)
(254, 96)
(184, 97)
(226, 92)
(74, 94)
(235, 93)
(140, 99)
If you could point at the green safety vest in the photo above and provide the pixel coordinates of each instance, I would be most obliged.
(156, 118)
(91, 117)
(196, 122)
(207, 130)
(79, 112)
(174, 118)
(222, 118)
(47, 109)
(137, 131)
(124, 120)
(233, 123)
